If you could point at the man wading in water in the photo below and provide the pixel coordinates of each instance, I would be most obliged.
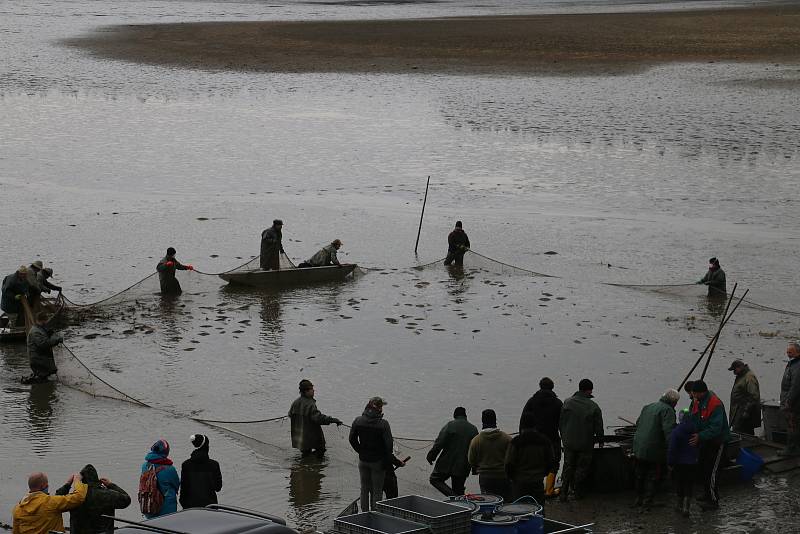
(166, 273)
(714, 279)
(457, 245)
(307, 420)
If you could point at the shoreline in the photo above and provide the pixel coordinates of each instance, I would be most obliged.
(605, 43)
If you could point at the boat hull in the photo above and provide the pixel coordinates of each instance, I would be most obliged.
(288, 277)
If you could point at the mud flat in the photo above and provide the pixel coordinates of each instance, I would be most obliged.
(619, 42)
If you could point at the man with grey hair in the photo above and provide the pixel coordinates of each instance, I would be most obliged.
(790, 400)
(653, 427)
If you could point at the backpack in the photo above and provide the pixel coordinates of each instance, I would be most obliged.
(150, 497)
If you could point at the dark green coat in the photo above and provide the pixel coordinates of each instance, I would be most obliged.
(715, 280)
(100, 500)
(581, 423)
(451, 447)
(653, 428)
(40, 350)
(306, 424)
(745, 403)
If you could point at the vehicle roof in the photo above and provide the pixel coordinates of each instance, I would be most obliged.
(210, 521)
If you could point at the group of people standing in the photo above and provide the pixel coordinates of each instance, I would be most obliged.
(89, 497)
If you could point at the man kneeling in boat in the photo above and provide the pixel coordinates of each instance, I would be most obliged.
(326, 256)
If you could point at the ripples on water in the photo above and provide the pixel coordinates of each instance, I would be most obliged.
(635, 178)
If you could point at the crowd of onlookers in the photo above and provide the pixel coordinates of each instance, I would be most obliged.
(88, 497)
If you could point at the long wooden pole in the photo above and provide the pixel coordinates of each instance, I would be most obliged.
(714, 346)
(421, 215)
(713, 340)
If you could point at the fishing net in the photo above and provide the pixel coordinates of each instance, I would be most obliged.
(475, 262)
(72, 372)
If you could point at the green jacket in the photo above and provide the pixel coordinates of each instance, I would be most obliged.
(715, 280)
(451, 448)
(306, 424)
(100, 500)
(746, 399)
(487, 452)
(581, 422)
(709, 416)
(653, 428)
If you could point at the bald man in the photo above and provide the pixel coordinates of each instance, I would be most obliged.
(39, 512)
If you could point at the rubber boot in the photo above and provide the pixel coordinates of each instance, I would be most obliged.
(550, 485)
(562, 495)
(687, 504)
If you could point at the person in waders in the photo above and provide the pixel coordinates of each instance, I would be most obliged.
(40, 350)
(166, 273)
(457, 245)
(307, 421)
(745, 403)
(272, 246)
(790, 400)
(714, 279)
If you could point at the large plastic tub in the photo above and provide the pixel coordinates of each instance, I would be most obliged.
(441, 517)
(376, 523)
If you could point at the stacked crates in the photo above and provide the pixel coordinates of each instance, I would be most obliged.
(440, 517)
(376, 523)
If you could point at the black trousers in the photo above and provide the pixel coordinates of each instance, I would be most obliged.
(439, 481)
(683, 475)
(454, 257)
(533, 488)
(495, 486)
(711, 454)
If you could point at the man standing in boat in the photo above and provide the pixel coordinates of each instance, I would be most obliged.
(271, 246)
(326, 256)
(307, 422)
(457, 245)
(166, 273)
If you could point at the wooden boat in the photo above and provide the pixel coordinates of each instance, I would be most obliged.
(12, 335)
(289, 277)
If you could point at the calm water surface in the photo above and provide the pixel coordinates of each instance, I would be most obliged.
(633, 179)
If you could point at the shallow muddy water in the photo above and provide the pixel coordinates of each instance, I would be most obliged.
(634, 179)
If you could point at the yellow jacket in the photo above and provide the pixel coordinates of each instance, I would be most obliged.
(39, 513)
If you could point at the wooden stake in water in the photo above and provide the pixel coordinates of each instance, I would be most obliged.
(421, 215)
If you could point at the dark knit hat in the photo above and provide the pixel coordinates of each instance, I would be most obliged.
(460, 412)
(171, 251)
(714, 261)
(305, 385)
(277, 222)
(198, 441)
(698, 386)
(458, 224)
(585, 385)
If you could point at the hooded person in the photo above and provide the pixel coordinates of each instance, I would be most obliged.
(41, 513)
(457, 245)
(581, 425)
(714, 279)
(201, 477)
(15, 286)
(450, 452)
(371, 437)
(546, 409)
(44, 281)
(487, 456)
(272, 246)
(682, 457)
(41, 341)
(102, 498)
(529, 459)
(168, 481)
(307, 421)
(166, 273)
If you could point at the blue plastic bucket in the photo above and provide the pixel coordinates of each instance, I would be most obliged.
(494, 524)
(487, 503)
(751, 463)
(529, 515)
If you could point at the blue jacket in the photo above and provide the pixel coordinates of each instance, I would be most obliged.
(679, 452)
(168, 483)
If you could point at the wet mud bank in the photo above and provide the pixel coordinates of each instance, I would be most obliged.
(584, 43)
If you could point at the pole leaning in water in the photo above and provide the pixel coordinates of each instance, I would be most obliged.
(421, 215)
